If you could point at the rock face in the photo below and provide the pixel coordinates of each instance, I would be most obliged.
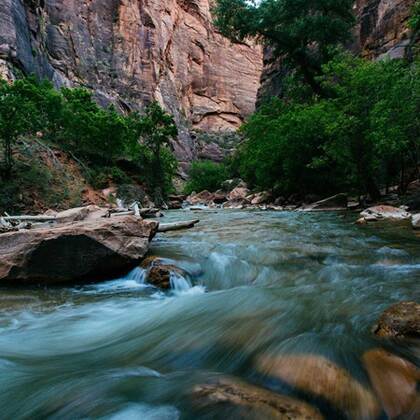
(250, 402)
(400, 320)
(382, 29)
(131, 52)
(88, 250)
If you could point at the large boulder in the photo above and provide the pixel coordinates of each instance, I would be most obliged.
(384, 212)
(88, 250)
(263, 197)
(204, 197)
(400, 320)
(394, 380)
(247, 402)
(230, 184)
(219, 197)
(336, 202)
(320, 377)
(238, 193)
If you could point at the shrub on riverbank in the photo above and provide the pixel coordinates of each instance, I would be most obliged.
(206, 175)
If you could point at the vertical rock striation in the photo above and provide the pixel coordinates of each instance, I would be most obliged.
(382, 29)
(130, 52)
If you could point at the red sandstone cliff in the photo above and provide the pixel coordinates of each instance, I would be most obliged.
(130, 52)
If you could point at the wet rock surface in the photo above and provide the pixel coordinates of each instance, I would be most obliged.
(394, 380)
(322, 378)
(401, 320)
(71, 252)
(249, 402)
(159, 272)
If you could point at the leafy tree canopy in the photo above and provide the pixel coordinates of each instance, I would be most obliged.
(303, 32)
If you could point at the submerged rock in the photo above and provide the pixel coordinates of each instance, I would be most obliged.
(384, 212)
(159, 272)
(88, 250)
(400, 320)
(244, 401)
(394, 380)
(320, 377)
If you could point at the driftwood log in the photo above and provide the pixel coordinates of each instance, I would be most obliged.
(166, 227)
(29, 218)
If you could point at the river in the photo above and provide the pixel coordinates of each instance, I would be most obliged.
(260, 283)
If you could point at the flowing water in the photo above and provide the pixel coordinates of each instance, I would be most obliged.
(258, 284)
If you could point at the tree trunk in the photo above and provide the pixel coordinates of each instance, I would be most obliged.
(309, 73)
(372, 188)
(8, 158)
(158, 181)
(167, 227)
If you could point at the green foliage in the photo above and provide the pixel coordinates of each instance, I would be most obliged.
(156, 128)
(206, 175)
(304, 33)
(24, 106)
(97, 138)
(364, 135)
(414, 21)
(91, 132)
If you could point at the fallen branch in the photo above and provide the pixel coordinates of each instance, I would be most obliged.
(122, 213)
(166, 227)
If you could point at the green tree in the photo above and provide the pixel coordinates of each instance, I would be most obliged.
(304, 33)
(206, 175)
(363, 135)
(91, 132)
(156, 128)
(25, 107)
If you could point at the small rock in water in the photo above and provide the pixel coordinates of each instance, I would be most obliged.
(160, 272)
(400, 320)
(248, 402)
(394, 380)
(320, 377)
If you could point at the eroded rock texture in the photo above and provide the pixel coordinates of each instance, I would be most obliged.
(383, 29)
(133, 51)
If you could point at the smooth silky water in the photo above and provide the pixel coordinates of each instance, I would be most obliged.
(261, 283)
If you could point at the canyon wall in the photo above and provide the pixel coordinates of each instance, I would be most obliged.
(130, 52)
(382, 27)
